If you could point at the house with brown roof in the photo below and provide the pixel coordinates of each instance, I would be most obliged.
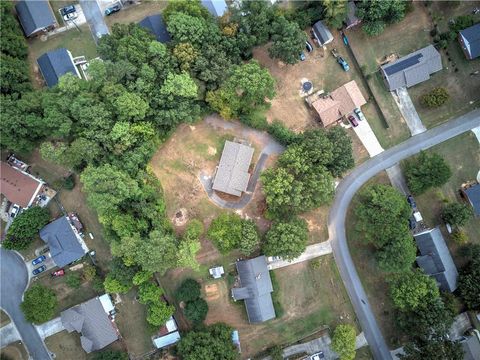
(340, 103)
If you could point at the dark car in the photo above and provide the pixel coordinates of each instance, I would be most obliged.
(67, 10)
(38, 260)
(112, 9)
(308, 46)
(352, 119)
(39, 270)
(411, 201)
(412, 223)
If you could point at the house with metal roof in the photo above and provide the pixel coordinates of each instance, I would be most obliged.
(35, 16)
(168, 334)
(215, 7)
(472, 195)
(412, 69)
(232, 173)
(321, 33)
(93, 322)
(66, 245)
(435, 259)
(351, 19)
(18, 186)
(55, 64)
(255, 289)
(156, 25)
(470, 41)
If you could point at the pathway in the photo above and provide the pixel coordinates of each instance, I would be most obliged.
(311, 252)
(405, 104)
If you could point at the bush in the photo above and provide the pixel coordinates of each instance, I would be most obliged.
(25, 227)
(426, 171)
(196, 310)
(286, 239)
(189, 290)
(97, 284)
(281, 133)
(277, 305)
(436, 97)
(457, 214)
(343, 341)
(226, 232)
(276, 353)
(256, 120)
(459, 236)
(39, 304)
(250, 237)
(110, 355)
(73, 280)
(89, 272)
(69, 182)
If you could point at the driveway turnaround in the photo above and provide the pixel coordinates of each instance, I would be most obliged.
(405, 104)
(94, 17)
(338, 212)
(14, 280)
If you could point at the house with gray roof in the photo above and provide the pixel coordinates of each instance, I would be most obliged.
(470, 41)
(35, 16)
(66, 246)
(232, 173)
(472, 195)
(471, 347)
(255, 289)
(56, 63)
(215, 7)
(321, 33)
(435, 259)
(156, 25)
(91, 320)
(412, 69)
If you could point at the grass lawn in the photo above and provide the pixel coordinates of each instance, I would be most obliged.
(363, 354)
(136, 13)
(14, 351)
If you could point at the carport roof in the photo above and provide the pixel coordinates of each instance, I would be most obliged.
(34, 15)
(156, 25)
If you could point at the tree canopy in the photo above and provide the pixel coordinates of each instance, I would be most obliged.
(412, 289)
(343, 341)
(335, 12)
(457, 214)
(25, 227)
(286, 239)
(469, 283)
(39, 304)
(425, 171)
(377, 14)
(288, 41)
(189, 290)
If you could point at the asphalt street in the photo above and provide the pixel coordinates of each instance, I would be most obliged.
(95, 19)
(338, 212)
(13, 281)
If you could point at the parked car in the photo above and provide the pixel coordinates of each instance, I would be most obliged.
(317, 356)
(411, 201)
(359, 114)
(15, 210)
(39, 270)
(69, 12)
(38, 260)
(308, 46)
(353, 120)
(343, 63)
(412, 223)
(58, 273)
(112, 9)
(302, 56)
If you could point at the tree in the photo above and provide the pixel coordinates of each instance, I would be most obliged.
(287, 239)
(89, 272)
(185, 54)
(435, 98)
(342, 154)
(119, 279)
(288, 41)
(159, 312)
(425, 171)
(398, 255)
(469, 284)
(335, 12)
(141, 277)
(130, 106)
(440, 348)
(148, 292)
(343, 341)
(258, 24)
(110, 355)
(250, 237)
(25, 227)
(213, 342)
(158, 253)
(412, 289)
(191, 7)
(457, 214)
(73, 280)
(39, 304)
(196, 311)
(189, 290)
(376, 14)
(190, 245)
(226, 231)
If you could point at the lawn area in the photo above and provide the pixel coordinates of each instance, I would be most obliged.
(14, 351)
(136, 13)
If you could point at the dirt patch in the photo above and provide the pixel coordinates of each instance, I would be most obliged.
(180, 218)
(211, 292)
(15, 351)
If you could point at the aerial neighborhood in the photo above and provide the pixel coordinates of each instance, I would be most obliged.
(233, 179)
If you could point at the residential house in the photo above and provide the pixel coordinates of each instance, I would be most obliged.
(168, 334)
(412, 69)
(156, 25)
(341, 102)
(472, 195)
(321, 33)
(470, 41)
(94, 321)
(55, 64)
(255, 289)
(351, 19)
(35, 16)
(215, 7)
(471, 347)
(435, 259)
(65, 243)
(232, 173)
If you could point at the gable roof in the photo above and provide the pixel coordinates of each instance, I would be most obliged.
(54, 64)
(471, 348)
(339, 103)
(321, 32)
(473, 196)
(62, 240)
(91, 320)
(156, 25)
(232, 174)
(18, 187)
(166, 340)
(215, 7)
(351, 19)
(471, 37)
(412, 69)
(255, 290)
(436, 259)
(34, 15)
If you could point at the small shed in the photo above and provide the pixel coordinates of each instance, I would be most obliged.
(54, 64)
(321, 33)
(35, 16)
(472, 195)
(168, 334)
(217, 272)
(156, 25)
(215, 7)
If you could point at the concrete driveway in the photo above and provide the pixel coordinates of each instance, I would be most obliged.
(368, 138)
(8, 335)
(405, 104)
(311, 252)
(50, 327)
(94, 17)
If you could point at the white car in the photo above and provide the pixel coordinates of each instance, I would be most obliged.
(273, 258)
(317, 356)
(15, 210)
(359, 114)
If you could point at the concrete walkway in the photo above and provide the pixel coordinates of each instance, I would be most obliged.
(311, 252)
(50, 328)
(8, 335)
(405, 104)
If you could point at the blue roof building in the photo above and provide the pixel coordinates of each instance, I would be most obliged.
(35, 16)
(216, 7)
(470, 40)
(472, 194)
(157, 27)
(56, 63)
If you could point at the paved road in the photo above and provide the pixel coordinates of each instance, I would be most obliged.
(345, 192)
(95, 19)
(13, 281)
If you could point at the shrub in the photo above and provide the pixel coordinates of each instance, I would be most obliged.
(73, 280)
(436, 97)
(457, 214)
(250, 237)
(196, 311)
(343, 341)
(189, 290)
(276, 353)
(426, 171)
(459, 236)
(25, 227)
(110, 355)
(97, 284)
(39, 304)
(89, 272)
(226, 231)
(69, 182)
(281, 133)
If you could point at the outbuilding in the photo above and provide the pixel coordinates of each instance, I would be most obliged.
(472, 195)
(321, 33)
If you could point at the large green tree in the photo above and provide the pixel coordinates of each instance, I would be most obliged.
(190, 245)
(377, 14)
(469, 284)
(286, 239)
(189, 290)
(412, 289)
(439, 348)
(39, 304)
(425, 171)
(25, 227)
(196, 311)
(335, 12)
(250, 237)
(288, 41)
(226, 231)
(457, 214)
(159, 312)
(343, 341)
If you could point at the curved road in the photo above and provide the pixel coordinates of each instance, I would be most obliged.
(338, 212)
(13, 281)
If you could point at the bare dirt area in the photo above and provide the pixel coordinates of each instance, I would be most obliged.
(14, 351)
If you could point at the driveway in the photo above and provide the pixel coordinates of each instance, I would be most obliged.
(368, 138)
(311, 252)
(8, 335)
(405, 104)
(94, 17)
(345, 192)
(50, 327)
(13, 281)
